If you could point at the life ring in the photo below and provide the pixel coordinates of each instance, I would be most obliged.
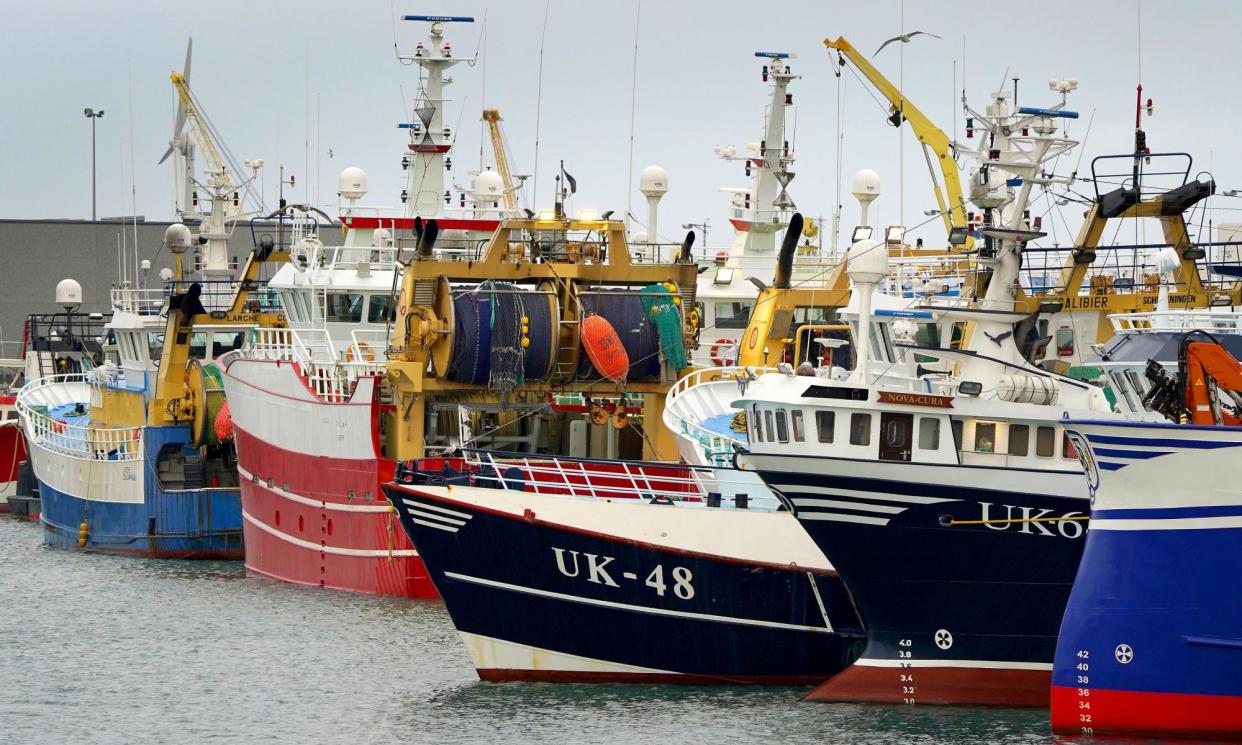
(364, 350)
(723, 351)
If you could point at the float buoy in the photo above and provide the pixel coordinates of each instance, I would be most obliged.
(224, 423)
(604, 348)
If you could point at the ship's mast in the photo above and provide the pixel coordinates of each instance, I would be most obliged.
(766, 205)
(430, 140)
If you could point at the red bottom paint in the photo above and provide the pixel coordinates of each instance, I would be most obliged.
(936, 685)
(1144, 714)
(499, 675)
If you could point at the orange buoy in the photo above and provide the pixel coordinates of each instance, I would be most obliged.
(604, 347)
(224, 423)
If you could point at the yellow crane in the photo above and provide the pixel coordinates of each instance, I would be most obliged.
(953, 211)
(492, 117)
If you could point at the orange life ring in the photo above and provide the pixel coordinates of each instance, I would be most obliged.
(718, 349)
(364, 349)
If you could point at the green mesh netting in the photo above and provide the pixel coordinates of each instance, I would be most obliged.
(658, 302)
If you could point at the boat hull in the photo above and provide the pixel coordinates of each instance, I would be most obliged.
(540, 591)
(120, 507)
(314, 513)
(1151, 641)
(956, 612)
(12, 453)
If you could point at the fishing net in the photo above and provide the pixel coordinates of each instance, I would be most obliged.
(664, 316)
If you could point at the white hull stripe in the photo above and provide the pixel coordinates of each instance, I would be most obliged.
(335, 550)
(843, 518)
(444, 510)
(861, 507)
(855, 494)
(1168, 523)
(983, 664)
(490, 653)
(307, 500)
(442, 519)
(437, 526)
(636, 608)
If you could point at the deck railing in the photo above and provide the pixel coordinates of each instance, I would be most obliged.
(82, 441)
(331, 375)
(1222, 321)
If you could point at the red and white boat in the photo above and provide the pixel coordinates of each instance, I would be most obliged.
(305, 402)
(12, 448)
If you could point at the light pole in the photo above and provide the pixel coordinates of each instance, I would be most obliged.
(701, 226)
(93, 115)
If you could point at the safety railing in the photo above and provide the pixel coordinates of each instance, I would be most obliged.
(1228, 322)
(138, 301)
(618, 479)
(82, 441)
(718, 448)
(330, 375)
(367, 351)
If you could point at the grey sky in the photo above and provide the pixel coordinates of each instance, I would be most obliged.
(698, 86)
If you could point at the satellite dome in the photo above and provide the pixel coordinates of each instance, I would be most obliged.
(488, 186)
(1168, 260)
(866, 185)
(381, 238)
(352, 183)
(867, 261)
(69, 293)
(653, 181)
(177, 238)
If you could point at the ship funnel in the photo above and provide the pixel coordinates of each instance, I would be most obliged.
(686, 246)
(784, 261)
(427, 233)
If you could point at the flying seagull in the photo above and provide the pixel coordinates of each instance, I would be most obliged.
(904, 39)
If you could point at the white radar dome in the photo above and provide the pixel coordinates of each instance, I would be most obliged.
(867, 261)
(177, 238)
(352, 183)
(68, 293)
(866, 185)
(381, 238)
(1167, 260)
(488, 186)
(653, 181)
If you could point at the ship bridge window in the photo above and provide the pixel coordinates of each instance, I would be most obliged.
(732, 314)
(1121, 389)
(985, 437)
(755, 423)
(1065, 342)
(825, 424)
(782, 426)
(344, 307)
(770, 435)
(381, 309)
(1046, 442)
(795, 419)
(1136, 381)
(155, 346)
(860, 428)
(1019, 440)
(929, 433)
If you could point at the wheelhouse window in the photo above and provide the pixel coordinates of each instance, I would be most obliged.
(985, 437)
(344, 307)
(825, 425)
(380, 309)
(1019, 440)
(770, 434)
(929, 433)
(155, 346)
(756, 424)
(1068, 451)
(1046, 442)
(732, 314)
(795, 419)
(860, 429)
(782, 426)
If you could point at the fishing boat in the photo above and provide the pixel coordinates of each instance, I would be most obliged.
(308, 404)
(906, 485)
(126, 454)
(12, 446)
(568, 570)
(1149, 643)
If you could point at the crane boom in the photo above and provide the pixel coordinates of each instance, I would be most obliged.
(492, 117)
(952, 210)
(198, 124)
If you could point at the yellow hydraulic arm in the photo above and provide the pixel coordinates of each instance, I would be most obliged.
(492, 117)
(932, 137)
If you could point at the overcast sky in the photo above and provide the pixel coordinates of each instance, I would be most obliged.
(698, 86)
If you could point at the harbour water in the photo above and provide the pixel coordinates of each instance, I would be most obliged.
(107, 649)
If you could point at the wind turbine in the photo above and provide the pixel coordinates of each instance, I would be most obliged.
(182, 144)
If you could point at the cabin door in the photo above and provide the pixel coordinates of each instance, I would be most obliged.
(896, 434)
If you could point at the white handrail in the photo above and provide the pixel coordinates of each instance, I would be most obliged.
(85, 442)
(1177, 320)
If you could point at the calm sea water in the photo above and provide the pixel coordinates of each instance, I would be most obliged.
(104, 649)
